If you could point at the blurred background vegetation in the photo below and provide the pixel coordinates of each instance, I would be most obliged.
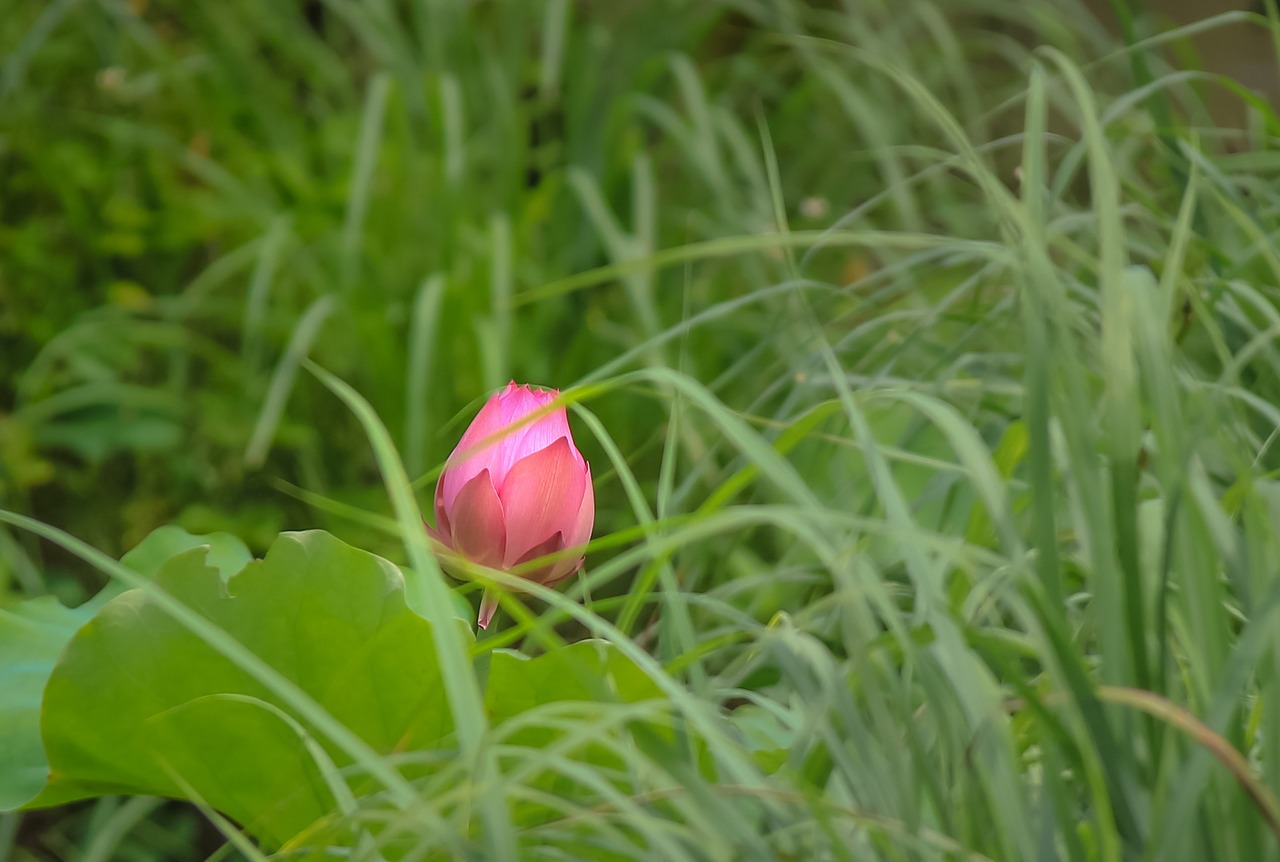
(197, 195)
(429, 198)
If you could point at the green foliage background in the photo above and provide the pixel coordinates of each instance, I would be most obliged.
(924, 354)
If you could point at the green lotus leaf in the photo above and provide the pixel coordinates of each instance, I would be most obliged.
(223, 551)
(542, 704)
(33, 635)
(138, 704)
(590, 671)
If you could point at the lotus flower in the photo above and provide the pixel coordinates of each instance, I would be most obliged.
(516, 489)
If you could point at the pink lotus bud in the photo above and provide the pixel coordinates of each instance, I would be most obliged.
(516, 489)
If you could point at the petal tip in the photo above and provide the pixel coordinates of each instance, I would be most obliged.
(488, 605)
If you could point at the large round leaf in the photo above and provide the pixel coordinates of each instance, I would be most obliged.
(223, 551)
(592, 671)
(138, 704)
(545, 704)
(32, 636)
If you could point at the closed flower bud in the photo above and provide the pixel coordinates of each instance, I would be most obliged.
(516, 489)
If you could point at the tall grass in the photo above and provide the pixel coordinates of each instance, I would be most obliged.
(925, 358)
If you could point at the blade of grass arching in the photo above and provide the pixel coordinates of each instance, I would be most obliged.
(1263, 246)
(402, 793)
(675, 611)
(1272, 11)
(1086, 472)
(644, 226)
(866, 115)
(225, 269)
(1047, 304)
(776, 197)
(1181, 157)
(838, 735)
(669, 463)
(343, 798)
(644, 755)
(1153, 347)
(1188, 544)
(631, 487)
(1179, 239)
(465, 701)
(1221, 750)
(236, 839)
(366, 30)
(9, 825)
(702, 138)
(424, 324)
(1122, 423)
(617, 242)
(1142, 71)
(656, 830)
(707, 317)
(1248, 659)
(970, 159)
(976, 462)
(273, 405)
(102, 843)
(734, 246)
(791, 436)
(676, 637)
(497, 350)
(364, 165)
(812, 529)
(625, 247)
(703, 716)
(700, 715)
(1122, 435)
(14, 69)
(555, 27)
(1261, 547)
(20, 568)
(453, 123)
(1263, 721)
(255, 305)
(1046, 321)
(737, 432)
(336, 508)
(1068, 772)
(966, 682)
(96, 394)
(1204, 542)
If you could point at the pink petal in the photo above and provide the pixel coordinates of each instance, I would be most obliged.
(488, 604)
(439, 536)
(469, 457)
(534, 435)
(477, 523)
(442, 517)
(541, 497)
(580, 533)
(517, 402)
(500, 436)
(562, 571)
(577, 537)
(538, 574)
